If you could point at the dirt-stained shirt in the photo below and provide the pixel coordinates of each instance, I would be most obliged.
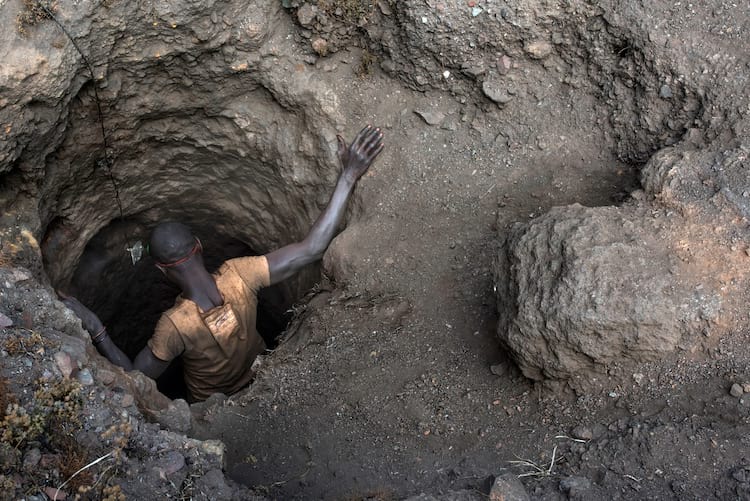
(217, 346)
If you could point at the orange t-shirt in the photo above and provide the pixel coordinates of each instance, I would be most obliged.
(218, 346)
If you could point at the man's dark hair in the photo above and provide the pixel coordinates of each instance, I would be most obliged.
(170, 241)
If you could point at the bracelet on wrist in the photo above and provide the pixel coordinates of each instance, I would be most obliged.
(99, 336)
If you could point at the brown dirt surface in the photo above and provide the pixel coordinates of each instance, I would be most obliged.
(395, 385)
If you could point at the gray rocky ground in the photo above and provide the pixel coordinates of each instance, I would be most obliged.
(540, 292)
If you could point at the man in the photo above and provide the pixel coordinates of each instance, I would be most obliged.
(212, 324)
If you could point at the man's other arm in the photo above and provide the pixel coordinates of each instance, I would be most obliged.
(145, 361)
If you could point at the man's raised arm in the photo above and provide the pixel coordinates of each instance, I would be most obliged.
(356, 159)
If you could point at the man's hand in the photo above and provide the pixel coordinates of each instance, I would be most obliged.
(89, 320)
(358, 157)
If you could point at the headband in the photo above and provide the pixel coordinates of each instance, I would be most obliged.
(196, 248)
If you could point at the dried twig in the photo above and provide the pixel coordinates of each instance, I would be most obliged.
(92, 463)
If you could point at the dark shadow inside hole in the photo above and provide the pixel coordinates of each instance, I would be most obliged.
(129, 298)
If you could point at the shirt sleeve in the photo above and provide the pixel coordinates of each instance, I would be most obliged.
(166, 344)
(253, 270)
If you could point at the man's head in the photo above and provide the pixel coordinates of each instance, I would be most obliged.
(172, 244)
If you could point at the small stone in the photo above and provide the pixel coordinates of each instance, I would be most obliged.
(746, 387)
(507, 487)
(64, 363)
(431, 117)
(85, 377)
(306, 14)
(736, 390)
(446, 74)
(176, 417)
(31, 459)
(106, 377)
(665, 92)
(638, 378)
(504, 64)
(582, 433)
(575, 486)
(385, 9)
(320, 46)
(538, 50)
(499, 369)
(493, 89)
(172, 462)
(475, 11)
(5, 321)
(55, 494)
(127, 400)
(213, 485)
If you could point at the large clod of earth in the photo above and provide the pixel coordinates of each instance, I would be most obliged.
(540, 291)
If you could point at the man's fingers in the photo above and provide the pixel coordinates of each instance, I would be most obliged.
(362, 134)
(372, 155)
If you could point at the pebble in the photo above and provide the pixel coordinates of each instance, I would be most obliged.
(85, 377)
(538, 50)
(507, 487)
(106, 377)
(493, 90)
(736, 390)
(127, 400)
(475, 11)
(575, 486)
(320, 46)
(582, 433)
(665, 92)
(172, 462)
(31, 459)
(5, 321)
(306, 14)
(746, 387)
(64, 363)
(431, 117)
(55, 494)
(638, 378)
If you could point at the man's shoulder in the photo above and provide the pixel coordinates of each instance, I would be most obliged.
(252, 270)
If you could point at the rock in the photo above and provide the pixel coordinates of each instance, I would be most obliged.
(104, 376)
(171, 462)
(665, 92)
(504, 64)
(746, 387)
(495, 90)
(5, 321)
(55, 494)
(582, 433)
(582, 288)
(176, 417)
(538, 49)
(31, 459)
(500, 369)
(306, 14)
(575, 486)
(431, 117)
(638, 378)
(213, 485)
(64, 363)
(127, 400)
(215, 448)
(320, 46)
(507, 487)
(736, 390)
(85, 378)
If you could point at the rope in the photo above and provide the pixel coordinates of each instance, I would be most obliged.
(106, 162)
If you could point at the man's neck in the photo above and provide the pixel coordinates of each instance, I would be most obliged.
(201, 289)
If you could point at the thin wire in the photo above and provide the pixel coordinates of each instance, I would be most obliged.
(107, 162)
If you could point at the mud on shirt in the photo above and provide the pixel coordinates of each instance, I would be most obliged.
(217, 346)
